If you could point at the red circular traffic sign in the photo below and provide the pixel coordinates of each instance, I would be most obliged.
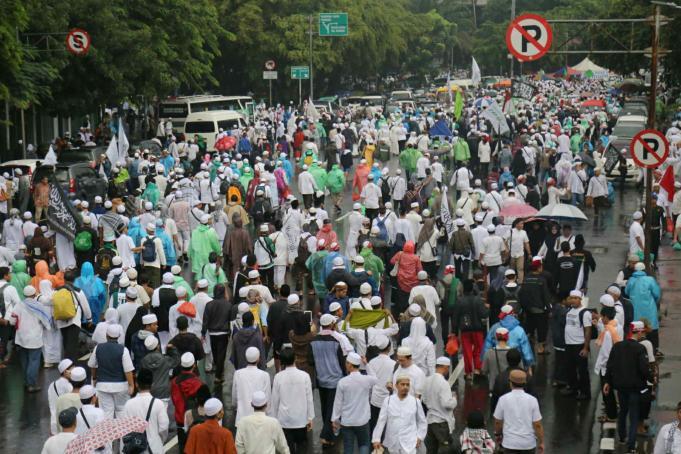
(529, 37)
(78, 41)
(270, 65)
(649, 148)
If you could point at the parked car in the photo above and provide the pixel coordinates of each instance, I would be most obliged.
(79, 179)
(82, 154)
(27, 166)
(625, 129)
(153, 145)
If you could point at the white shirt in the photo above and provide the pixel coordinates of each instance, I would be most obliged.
(371, 194)
(195, 324)
(260, 434)
(11, 297)
(382, 368)
(598, 187)
(664, 438)
(404, 423)
(636, 231)
(57, 444)
(199, 301)
(422, 164)
(494, 200)
(246, 381)
(306, 183)
(441, 402)
(29, 333)
(157, 431)
(112, 387)
(287, 404)
(93, 415)
(604, 352)
(351, 404)
(160, 254)
(415, 222)
(461, 178)
(574, 330)
(518, 410)
(126, 312)
(438, 170)
(398, 187)
(62, 386)
(517, 239)
(479, 233)
(432, 299)
(492, 247)
(99, 334)
(403, 226)
(418, 378)
(124, 245)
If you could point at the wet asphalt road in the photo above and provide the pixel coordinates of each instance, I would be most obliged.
(569, 426)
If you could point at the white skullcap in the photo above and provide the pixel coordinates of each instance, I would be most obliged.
(117, 260)
(151, 226)
(180, 292)
(149, 319)
(637, 215)
(358, 259)
(264, 228)
(333, 307)
(354, 359)
(203, 283)
(253, 274)
(381, 341)
(460, 222)
(168, 278)
(28, 215)
(576, 293)
(509, 272)
(640, 266)
(124, 281)
(64, 364)
(506, 309)
(108, 204)
(501, 331)
(292, 299)
(252, 354)
(356, 305)
(131, 273)
(491, 228)
(365, 288)
(404, 351)
(205, 218)
(78, 374)
(114, 331)
(414, 310)
(637, 326)
(151, 343)
(338, 262)
(85, 204)
(479, 217)
(148, 206)
(614, 290)
(29, 290)
(376, 300)
(327, 320)
(98, 199)
(356, 206)
(187, 359)
(607, 300)
(414, 205)
(131, 293)
(422, 275)
(120, 208)
(242, 308)
(212, 406)
(259, 399)
(86, 392)
(443, 361)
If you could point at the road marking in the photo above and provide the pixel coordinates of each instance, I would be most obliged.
(456, 374)
(84, 358)
(607, 444)
(171, 444)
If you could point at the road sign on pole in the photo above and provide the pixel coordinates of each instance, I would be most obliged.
(269, 75)
(333, 24)
(270, 65)
(529, 37)
(78, 42)
(649, 148)
(300, 72)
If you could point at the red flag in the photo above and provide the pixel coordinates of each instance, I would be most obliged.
(667, 185)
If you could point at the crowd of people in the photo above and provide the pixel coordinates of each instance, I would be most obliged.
(196, 258)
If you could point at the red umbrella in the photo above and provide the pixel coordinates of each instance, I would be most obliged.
(517, 210)
(105, 432)
(593, 103)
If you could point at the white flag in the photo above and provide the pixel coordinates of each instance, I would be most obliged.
(311, 111)
(112, 151)
(50, 157)
(123, 144)
(494, 114)
(445, 214)
(476, 77)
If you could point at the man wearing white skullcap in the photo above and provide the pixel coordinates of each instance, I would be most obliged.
(429, 294)
(246, 381)
(637, 236)
(408, 368)
(578, 326)
(259, 433)
(60, 386)
(152, 257)
(111, 370)
(307, 186)
(138, 340)
(88, 412)
(146, 403)
(441, 402)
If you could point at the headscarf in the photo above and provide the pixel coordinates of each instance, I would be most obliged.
(426, 231)
(42, 271)
(409, 265)
(94, 289)
(419, 343)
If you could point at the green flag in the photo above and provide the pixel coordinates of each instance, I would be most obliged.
(458, 105)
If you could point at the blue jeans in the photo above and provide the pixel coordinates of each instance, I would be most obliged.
(629, 403)
(577, 198)
(361, 434)
(30, 363)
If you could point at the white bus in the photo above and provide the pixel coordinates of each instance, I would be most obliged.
(179, 107)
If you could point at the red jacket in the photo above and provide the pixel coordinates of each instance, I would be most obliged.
(182, 388)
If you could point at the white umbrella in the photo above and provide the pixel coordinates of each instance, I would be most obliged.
(561, 210)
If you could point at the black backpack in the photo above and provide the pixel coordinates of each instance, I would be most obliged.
(136, 442)
(224, 186)
(149, 249)
(594, 331)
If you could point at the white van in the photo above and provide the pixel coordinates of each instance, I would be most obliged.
(208, 124)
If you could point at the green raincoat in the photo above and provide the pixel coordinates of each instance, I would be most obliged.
(213, 276)
(180, 282)
(20, 278)
(372, 263)
(319, 175)
(122, 176)
(335, 180)
(204, 240)
(315, 263)
(246, 176)
(408, 159)
(151, 194)
(461, 150)
(575, 141)
(213, 170)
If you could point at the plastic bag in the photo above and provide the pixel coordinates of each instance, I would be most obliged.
(452, 347)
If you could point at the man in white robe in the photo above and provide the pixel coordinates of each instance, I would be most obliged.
(246, 381)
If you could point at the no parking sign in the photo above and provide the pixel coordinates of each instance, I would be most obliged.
(649, 148)
(529, 37)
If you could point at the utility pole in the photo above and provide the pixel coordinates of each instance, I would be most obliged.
(512, 17)
(311, 81)
(651, 125)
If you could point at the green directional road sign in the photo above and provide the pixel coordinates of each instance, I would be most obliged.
(300, 72)
(333, 24)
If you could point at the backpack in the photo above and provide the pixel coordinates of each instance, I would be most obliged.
(149, 249)
(594, 331)
(64, 304)
(83, 241)
(303, 251)
(259, 210)
(224, 186)
(137, 442)
(385, 189)
(233, 190)
(383, 230)
(103, 261)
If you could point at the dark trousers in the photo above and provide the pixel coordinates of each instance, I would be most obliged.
(654, 338)
(538, 323)
(609, 401)
(267, 277)
(461, 268)
(560, 374)
(446, 320)
(218, 345)
(30, 364)
(374, 418)
(326, 397)
(519, 451)
(181, 437)
(371, 213)
(359, 433)
(430, 267)
(629, 406)
(300, 274)
(296, 439)
(307, 200)
(69, 337)
(577, 369)
(439, 438)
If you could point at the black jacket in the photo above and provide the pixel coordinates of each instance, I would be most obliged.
(216, 316)
(337, 275)
(567, 272)
(534, 296)
(627, 367)
(469, 314)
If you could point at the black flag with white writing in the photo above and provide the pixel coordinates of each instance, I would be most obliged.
(61, 216)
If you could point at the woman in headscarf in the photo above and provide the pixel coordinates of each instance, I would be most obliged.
(94, 289)
(110, 318)
(42, 272)
(220, 221)
(422, 348)
(427, 244)
(39, 248)
(20, 277)
(408, 265)
(12, 232)
(282, 182)
(547, 250)
(52, 342)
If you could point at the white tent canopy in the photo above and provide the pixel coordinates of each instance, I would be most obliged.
(587, 65)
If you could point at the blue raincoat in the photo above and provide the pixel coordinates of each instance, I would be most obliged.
(517, 338)
(376, 172)
(644, 293)
(288, 168)
(168, 246)
(94, 289)
(168, 164)
(136, 232)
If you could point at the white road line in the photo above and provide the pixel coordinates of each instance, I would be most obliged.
(456, 373)
(84, 358)
(171, 444)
